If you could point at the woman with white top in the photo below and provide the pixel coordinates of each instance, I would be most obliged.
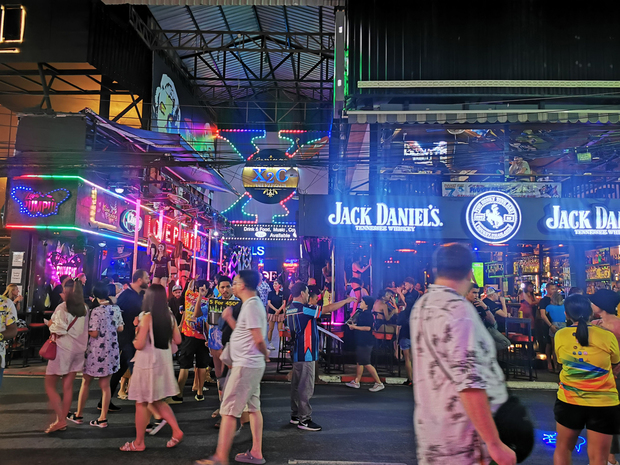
(69, 327)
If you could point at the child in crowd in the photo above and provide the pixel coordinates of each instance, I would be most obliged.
(364, 341)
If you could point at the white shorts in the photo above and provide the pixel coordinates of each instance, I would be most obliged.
(65, 362)
(242, 388)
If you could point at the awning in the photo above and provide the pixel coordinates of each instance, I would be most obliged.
(205, 177)
(477, 116)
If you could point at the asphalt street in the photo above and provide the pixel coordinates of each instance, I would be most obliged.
(358, 426)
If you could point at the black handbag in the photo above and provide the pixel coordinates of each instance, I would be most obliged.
(512, 419)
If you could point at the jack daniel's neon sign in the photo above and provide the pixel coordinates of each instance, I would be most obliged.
(598, 221)
(382, 217)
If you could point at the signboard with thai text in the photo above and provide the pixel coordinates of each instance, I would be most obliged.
(514, 189)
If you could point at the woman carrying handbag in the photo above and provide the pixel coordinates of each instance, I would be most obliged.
(69, 330)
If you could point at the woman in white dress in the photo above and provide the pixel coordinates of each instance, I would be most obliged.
(69, 327)
(153, 377)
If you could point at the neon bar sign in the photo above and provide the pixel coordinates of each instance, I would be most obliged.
(37, 204)
(385, 218)
(596, 222)
(170, 233)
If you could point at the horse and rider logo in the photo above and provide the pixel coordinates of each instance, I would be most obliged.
(493, 217)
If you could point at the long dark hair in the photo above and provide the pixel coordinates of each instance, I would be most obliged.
(156, 303)
(75, 299)
(578, 309)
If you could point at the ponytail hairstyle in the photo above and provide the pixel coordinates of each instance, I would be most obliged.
(578, 309)
(75, 299)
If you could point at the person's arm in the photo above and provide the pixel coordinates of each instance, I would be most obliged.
(227, 314)
(259, 340)
(329, 308)
(489, 317)
(169, 268)
(10, 332)
(152, 268)
(270, 305)
(503, 312)
(142, 332)
(198, 307)
(545, 318)
(176, 334)
(360, 328)
(476, 405)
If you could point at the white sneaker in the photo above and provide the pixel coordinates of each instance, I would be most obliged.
(270, 346)
(353, 384)
(377, 387)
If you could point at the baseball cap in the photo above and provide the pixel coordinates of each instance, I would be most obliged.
(606, 300)
(176, 287)
(490, 290)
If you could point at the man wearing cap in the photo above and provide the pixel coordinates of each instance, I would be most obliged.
(605, 308)
(175, 302)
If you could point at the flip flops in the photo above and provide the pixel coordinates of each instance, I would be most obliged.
(130, 447)
(173, 442)
(247, 457)
(55, 427)
(210, 461)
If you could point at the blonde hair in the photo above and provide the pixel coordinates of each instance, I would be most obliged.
(9, 290)
(557, 299)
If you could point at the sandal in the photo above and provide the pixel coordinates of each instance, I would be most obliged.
(216, 413)
(55, 427)
(174, 442)
(217, 425)
(247, 457)
(130, 447)
(99, 423)
(210, 461)
(75, 419)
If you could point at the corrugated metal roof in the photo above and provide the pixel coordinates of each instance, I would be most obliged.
(227, 2)
(240, 77)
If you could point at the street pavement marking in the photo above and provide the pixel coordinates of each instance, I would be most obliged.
(336, 462)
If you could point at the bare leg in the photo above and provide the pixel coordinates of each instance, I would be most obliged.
(200, 374)
(228, 425)
(612, 459)
(256, 425)
(219, 366)
(599, 446)
(67, 393)
(163, 410)
(51, 383)
(360, 371)
(156, 280)
(408, 364)
(565, 443)
(272, 325)
(183, 373)
(106, 395)
(142, 419)
(154, 412)
(83, 396)
(373, 373)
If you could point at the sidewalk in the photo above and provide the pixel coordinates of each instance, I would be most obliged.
(545, 381)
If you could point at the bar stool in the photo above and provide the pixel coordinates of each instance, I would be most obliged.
(20, 343)
(334, 353)
(39, 333)
(285, 359)
(384, 345)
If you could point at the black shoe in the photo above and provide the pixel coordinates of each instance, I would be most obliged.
(308, 425)
(111, 407)
(199, 398)
(294, 420)
(408, 383)
(175, 400)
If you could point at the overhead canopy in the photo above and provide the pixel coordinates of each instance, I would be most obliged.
(480, 116)
(202, 177)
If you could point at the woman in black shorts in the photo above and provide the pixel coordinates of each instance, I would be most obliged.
(587, 394)
(161, 265)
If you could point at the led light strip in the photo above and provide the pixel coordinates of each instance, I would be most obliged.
(73, 228)
(263, 134)
(242, 210)
(282, 204)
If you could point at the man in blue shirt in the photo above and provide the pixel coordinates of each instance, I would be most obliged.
(302, 321)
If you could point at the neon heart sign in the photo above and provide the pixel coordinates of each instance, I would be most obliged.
(37, 204)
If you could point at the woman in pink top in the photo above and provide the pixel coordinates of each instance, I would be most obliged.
(69, 327)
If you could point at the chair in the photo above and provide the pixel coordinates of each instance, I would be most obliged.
(285, 359)
(384, 345)
(519, 356)
(20, 343)
(39, 333)
(334, 350)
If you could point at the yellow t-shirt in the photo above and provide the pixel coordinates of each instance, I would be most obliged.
(586, 377)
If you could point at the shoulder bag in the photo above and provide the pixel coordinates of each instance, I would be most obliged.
(512, 419)
(48, 350)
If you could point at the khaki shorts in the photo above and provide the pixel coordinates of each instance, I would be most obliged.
(242, 388)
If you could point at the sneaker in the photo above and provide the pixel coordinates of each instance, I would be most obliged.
(308, 425)
(99, 423)
(353, 384)
(111, 407)
(149, 428)
(199, 397)
(294, 421)
(175, 400)
(377, 387)
(270, 346)
(75, 419)
(157, 426)
(408, 383)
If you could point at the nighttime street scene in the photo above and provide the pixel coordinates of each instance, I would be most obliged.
(309, 232)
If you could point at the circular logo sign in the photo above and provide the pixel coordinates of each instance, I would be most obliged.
(493, 217)
(128, 221)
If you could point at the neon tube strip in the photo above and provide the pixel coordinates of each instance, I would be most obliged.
(73, 228)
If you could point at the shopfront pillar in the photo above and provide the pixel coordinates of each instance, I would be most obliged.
(20, 267)
(577, 261)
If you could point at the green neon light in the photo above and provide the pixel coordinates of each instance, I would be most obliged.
(72, 228)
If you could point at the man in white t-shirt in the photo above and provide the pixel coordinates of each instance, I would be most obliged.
(249, 354)
(8, 329)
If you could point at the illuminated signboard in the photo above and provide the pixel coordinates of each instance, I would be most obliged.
(171, 233)
(270, 184)
(597, 220)
(478, 269)
(383, 217)
(264, 232)
(38, 204)
(493, 217)
(128, 221)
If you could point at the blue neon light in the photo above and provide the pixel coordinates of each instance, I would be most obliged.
(36, 204)
(550, 438)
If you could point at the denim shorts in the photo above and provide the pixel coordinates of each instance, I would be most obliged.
(405, 343)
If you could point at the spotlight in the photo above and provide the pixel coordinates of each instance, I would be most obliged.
(102, 244)
(215, 233)
(119, 190)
